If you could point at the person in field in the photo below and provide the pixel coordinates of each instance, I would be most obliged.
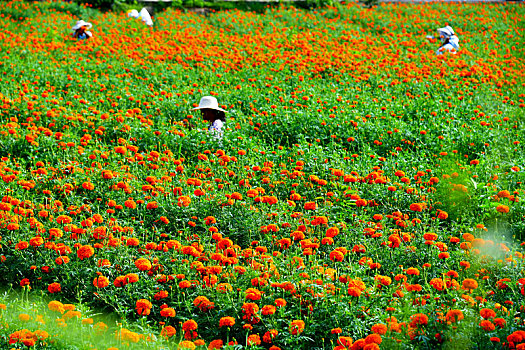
(80, 30)
(143, 14)
(212, 113)
(449, 40)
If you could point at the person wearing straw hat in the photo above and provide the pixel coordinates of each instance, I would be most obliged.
(143, 14)
(80, 30)
(212, 113)
(449, 40)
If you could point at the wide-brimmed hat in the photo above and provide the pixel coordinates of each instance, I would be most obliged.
(146, 17)
(208, 102)
(133, 13)
(447, 31)
(82, 23)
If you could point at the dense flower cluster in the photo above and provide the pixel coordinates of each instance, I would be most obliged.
(365, 193)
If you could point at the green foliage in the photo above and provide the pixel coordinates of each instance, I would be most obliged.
(344, 134)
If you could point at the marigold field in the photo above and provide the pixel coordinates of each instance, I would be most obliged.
(366, 194)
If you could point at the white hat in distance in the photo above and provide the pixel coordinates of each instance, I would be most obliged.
(146, 17)
(447, 31)
(80, 24)
(208, 102)
(133, 13)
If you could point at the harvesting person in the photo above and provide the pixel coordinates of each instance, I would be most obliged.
(143, 15)
(449, 40)
(80, 30)
(212, 113)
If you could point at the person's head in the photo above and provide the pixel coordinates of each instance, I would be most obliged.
(445, 33)
(210, 109)
(210, 115)
(81, 26)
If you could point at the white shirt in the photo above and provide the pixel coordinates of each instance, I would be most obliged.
(451, 46)
(216, 128)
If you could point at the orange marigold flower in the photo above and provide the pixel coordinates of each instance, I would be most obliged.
(152, 205)
(418, 320)
(361, 202)
(186, 345)
(143, 264)
(454, 316)
(203, 303)
(254, 339)
(347, 342)
(310, 206)
(412, 271)
(143, 307)
(236, 195)
(184, 201)
(280, 302)
(268, 310)
(120, 281)
(21, 245)
(85, 252)
(132, 242)
(24, 317)
(379, 328)
(54, 287)
(56, 306)
(167, 312)
(132, 277)
(297, 327)
(215, 344)
(36, 241)
(487, 325)
(516, 337)
(470, 284)
(500, 322)
(168, 331)
(442, 215)
(270, 335)
(101, 282)
(332, 232)
(430, 236)
(373, 339)
(253, 294)
(487, 313)
(384, 280)
(336, 255)
(130, 204)
(502, 209)
(184, 284)
(503, 194)
(416, 207)
(437, 283)
(189, 325)
(226, 321)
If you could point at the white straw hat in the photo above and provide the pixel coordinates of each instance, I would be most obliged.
(80, 24)
(447, 31)
(133, 13)
(146, 17)
(209, 102)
